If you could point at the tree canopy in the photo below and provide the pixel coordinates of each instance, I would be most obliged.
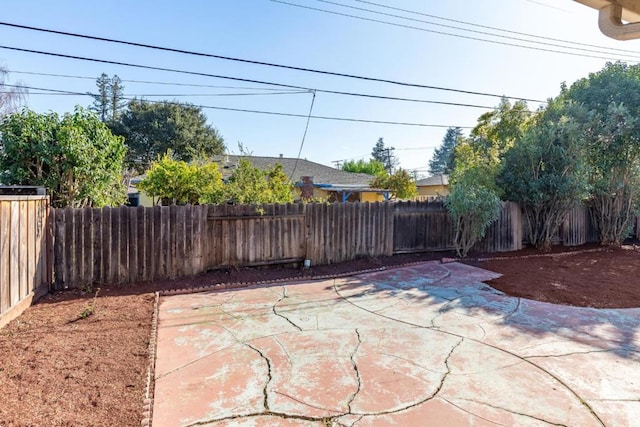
(109, 101)
(384, 155)
(151, 129)
(401, 183)
(371, 167)
(76, 157)
(442, 161)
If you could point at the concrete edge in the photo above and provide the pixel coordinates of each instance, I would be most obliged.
(147, 402)
(236, 285)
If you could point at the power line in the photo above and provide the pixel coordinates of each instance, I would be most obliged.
(104, 61)
(494, 28)
(411, 27)
(465, 29)
(304, 136)
(273, 113)
(71, 76)
(269, 64)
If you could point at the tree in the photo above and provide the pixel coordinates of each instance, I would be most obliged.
(546, 173)
(101, 99)
(151, 129)
(10, 97)
(401, 183)
(177, 182)
(384, 155)
(371, 167)
(108, 102)
(75, 157)
(611, 129)
(250, 185)
(474, 201)
(116, 98)
(443, 157)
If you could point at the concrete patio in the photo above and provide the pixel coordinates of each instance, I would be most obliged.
(425, 345)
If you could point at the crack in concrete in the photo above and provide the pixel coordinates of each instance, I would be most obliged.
(582, 401)
(323, 420)
(275, 311)
(608, 350)
(514, 412)
(441, 311)
(269, 376)
(355, 368)
(337, 413)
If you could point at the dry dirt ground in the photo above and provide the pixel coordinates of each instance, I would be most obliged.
(63, 364)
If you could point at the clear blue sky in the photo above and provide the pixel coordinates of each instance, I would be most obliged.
(268, 31)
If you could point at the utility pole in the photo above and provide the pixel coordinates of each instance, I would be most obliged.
(338, 163)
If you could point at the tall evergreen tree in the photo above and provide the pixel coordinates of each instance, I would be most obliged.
(384, 155)
(443, 157)
(109, 101)
(101, 98)
(116, 98)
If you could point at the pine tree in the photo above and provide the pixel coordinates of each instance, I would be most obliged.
(116, 95)
(443, 157)
(384, 155)
(101, 99)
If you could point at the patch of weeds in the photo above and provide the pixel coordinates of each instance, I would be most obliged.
(86, 289)
(91, 308)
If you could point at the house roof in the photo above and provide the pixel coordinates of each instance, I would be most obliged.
(321, 174)
(440, 179)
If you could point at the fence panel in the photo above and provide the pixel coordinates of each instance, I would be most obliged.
(504, 234)
(252, 235)
(24, 263)
(422, 226)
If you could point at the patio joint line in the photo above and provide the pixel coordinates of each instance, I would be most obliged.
(514, 412)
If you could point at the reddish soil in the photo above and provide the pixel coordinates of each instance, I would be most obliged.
(601, 278)
(59, 369)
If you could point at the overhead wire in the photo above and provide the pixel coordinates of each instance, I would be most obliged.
(273, 113)
(486, 33)
(489, 27)
(248, 61)
(304, 136)
(411, 27)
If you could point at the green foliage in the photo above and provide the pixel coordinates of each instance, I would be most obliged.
(173, 181)
(178, 182)
(371, 167)
(108, 102)
(401, 183)
(442, 161)
(151, 129)
(611, 128)
(75, 157)
(474, 197)
(384, 155)
(473, 208)
(250, 185)
(545, 172)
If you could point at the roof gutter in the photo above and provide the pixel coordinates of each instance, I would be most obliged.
(611, 25)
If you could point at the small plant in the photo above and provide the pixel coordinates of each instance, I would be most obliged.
(91, 308)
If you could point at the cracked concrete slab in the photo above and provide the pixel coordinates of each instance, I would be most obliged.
(425, 345)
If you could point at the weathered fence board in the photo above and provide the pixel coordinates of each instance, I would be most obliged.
(24, 261)
(125, 245)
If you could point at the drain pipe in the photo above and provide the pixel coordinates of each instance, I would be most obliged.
(611, 25)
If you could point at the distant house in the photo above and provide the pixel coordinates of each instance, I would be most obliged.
(310, 178)
(433, 188)
(314, 179)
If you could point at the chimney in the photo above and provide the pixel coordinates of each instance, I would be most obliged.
(306, 190)
(281, 155)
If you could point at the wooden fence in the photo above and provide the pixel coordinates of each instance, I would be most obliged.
(126, 245)
(25, 268)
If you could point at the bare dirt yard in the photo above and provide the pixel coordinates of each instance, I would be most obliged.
(64, 364)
